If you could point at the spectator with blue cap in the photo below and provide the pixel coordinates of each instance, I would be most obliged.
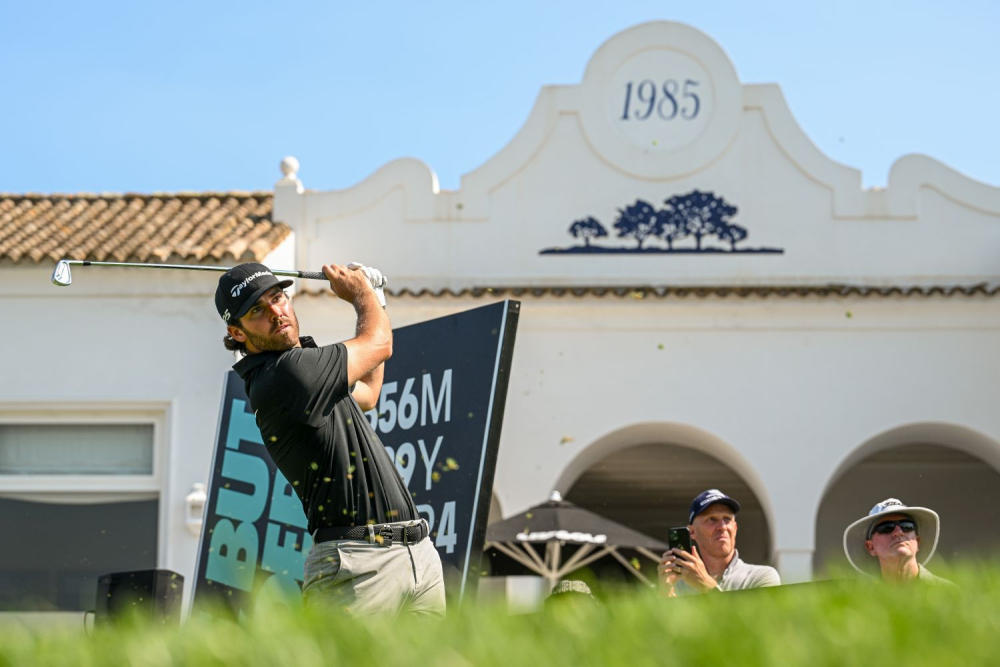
(713, 564)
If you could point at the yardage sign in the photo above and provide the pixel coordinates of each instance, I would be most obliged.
(439, 416)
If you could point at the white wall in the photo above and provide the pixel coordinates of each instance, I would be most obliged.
(146, 343)
(783, 390)
(574, 157)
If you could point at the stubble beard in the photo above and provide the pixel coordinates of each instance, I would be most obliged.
(276, 342)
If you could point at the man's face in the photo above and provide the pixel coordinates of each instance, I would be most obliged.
(715, 531)
(898, 544)
(269, 325)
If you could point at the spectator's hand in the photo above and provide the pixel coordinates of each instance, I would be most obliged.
(692, 570)
(667, 575)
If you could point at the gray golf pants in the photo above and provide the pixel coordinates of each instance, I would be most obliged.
(363, 578)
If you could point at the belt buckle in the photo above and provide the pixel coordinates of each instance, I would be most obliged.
(385, 532)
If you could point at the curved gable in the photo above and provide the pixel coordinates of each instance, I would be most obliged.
(660, 168)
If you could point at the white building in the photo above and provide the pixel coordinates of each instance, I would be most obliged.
(827, 347)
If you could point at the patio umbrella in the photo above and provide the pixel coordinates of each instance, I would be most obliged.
(572, 537)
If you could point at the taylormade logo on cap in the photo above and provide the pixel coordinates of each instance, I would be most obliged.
(239, 288)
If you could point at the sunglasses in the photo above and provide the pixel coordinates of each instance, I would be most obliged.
(906, 525)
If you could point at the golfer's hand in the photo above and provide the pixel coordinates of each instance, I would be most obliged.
(347, 284)
(667, 575)
(376, 278)
(691, 569)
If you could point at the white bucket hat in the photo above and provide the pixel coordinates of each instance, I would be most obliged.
(928, 528)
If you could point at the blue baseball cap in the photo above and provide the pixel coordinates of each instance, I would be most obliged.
(710, 497)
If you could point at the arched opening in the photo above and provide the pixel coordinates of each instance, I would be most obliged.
(949, 469)
(647, 478)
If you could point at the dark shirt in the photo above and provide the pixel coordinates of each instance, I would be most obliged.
(320, 439)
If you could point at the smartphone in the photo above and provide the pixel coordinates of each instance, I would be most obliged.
(679, 538)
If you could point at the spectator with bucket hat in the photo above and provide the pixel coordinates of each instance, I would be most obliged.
(893, 542)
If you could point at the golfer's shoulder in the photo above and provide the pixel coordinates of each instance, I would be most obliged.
(303, 365)
(267, 375)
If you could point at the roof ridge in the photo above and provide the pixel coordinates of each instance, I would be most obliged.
(188, 194)
(702, 291)
(139, 227)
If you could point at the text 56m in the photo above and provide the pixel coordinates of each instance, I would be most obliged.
(430, 403)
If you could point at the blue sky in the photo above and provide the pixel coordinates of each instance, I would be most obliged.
(199, 96)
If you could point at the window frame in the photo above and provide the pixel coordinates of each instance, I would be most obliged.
(97, 488)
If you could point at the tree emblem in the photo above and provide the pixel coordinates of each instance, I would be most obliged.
(703, 213)
(732, 233)
(698, 215)
(638, 221)
(673, 227)
(588, 228)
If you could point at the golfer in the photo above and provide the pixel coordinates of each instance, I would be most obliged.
(370, 552)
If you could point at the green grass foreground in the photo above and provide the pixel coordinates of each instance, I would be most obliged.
(833, 623)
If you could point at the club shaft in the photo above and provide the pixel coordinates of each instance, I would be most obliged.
(313, 275)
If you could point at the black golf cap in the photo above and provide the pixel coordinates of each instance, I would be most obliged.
(710, 497)
(241, 286)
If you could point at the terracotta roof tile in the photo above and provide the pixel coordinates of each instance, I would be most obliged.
(235, 226)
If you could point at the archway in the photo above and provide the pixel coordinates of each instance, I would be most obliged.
(950, 469)
(647, 477)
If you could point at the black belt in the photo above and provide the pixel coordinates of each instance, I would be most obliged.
(383, 533)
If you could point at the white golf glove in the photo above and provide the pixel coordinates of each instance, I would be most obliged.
(374, 276)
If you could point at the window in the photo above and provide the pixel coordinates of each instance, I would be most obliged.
(76, 449)
(53, 553)
(79, 498)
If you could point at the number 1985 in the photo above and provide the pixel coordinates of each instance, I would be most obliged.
(669, 100)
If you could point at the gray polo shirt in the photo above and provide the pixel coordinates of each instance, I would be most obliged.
(739, 576)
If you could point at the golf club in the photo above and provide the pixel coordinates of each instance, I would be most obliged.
(63, 277)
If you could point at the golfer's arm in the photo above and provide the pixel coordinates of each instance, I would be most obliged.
(370, 348)
(367, 389)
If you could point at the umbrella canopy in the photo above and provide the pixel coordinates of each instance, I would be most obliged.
(558, 523)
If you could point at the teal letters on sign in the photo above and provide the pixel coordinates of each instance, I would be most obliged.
(242, 426)
(232, 556)
(234, 547)
(252, 470)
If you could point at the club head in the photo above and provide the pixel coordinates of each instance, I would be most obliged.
(62, 275)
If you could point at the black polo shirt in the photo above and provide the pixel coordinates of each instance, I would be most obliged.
(320, 439)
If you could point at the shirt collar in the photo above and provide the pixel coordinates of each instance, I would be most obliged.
(732, 564)
(254, 361)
